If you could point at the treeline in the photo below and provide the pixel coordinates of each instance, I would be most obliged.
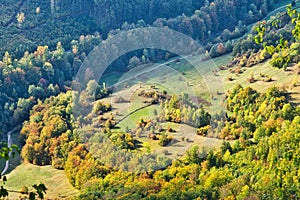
(51, 138)
(276, 39)
(214, 25)
(112, 14)
(216, 21)
(29, 24)
(38, 75)
(216, 15)
(254, 115)
(275, 28)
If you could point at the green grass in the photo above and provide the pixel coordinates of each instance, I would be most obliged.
(173, 78)
(145, 113)
(134, 102)
(278, 75)
(280, 78)
(179, 145)
(195, 74)
(190, 75)
(110, 78)
(28, 174)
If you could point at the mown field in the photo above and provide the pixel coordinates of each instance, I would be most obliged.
(55, 180)
(288, 80)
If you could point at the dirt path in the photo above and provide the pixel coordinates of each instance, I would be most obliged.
(9, 143)
(132, 112)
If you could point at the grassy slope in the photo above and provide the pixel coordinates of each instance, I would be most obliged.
(28, 174)
(167, 77)
(280, 79)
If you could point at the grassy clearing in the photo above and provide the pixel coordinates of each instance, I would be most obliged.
(190, 75)
(194, 77)
(145, 113)
(28, 174)
(181, 144)
(184, 137)
(110, 78)
(280, 78)
(178, 146)
(132, 103)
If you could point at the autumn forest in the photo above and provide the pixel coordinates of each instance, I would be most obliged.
(219, 120)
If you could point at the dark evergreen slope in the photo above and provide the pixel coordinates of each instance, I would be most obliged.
(26, 24)
(112, 14)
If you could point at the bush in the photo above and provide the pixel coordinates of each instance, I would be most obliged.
(164, 140)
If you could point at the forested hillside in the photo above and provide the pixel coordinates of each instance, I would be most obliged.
(144, 141)
(45, 39)
(28, 24)
(267, 166)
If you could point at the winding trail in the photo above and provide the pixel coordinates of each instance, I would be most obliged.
(249, 27)
(152, 68)
(132, 112)
(9, 143)
(275, 11)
